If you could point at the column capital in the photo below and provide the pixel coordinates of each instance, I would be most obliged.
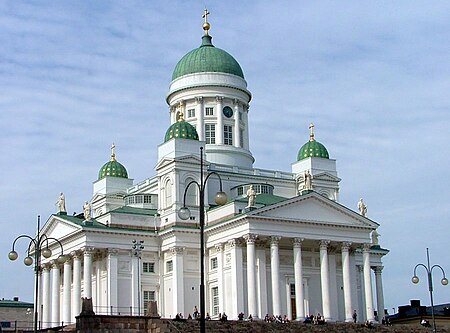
(113, 252)
(236, 102)
(219, 99)
(346, 246)
(45, 267)
(75, 254)
(378, 269)
(233, 242)
(54, 264)
(297, 242)
(219, 247)
(199, 99)
(176, 250)
(324, 244)
(88, 250)
(250, 238)
(366, 247)
(275, 240)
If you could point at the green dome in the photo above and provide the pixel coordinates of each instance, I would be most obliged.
(113, 168)
(207, 58)
(181, 129)
(312, 149)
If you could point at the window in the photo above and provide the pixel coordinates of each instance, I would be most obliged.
(241, 138)
(240, 115)
(209, 111)
(191, 194)
(168, 192)
(147, 198)
(191, 113)
(240, 190)
(214, 263)
(139, 199)
(169, 266)
(292, 289)
(228, 135)
(210, 133)
(215, 300)
(148, 267)
(149, 295)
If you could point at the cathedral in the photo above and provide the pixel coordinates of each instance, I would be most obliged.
(280, 244)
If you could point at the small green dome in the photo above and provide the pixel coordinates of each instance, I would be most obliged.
(312, 148)
(112, 168)
(181, 129)
(207, 58)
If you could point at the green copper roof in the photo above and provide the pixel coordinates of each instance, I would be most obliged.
(207, 58)
(113, 168)
(312, 149)
(181, 129)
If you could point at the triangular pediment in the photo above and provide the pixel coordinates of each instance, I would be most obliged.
(326, 177)
(59, 227)
(188, 159)
(314, 208)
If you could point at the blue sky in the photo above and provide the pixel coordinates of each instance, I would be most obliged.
(374, 77)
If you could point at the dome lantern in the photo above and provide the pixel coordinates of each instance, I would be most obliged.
(312, 148)
(113, 168)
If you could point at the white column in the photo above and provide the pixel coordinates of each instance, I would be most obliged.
(76, 308)
(368, 283)
(298, 276)
(200, 118)
(56, 282)
(46, 311)
(178, 279)
(219, 131)
(325, 279)
(246, 130)
(135, 280)
(237, 124)
(237, 280)
(251, 275)
(112, 281)
(220, 284)
(379, 288)
(173, 114)
(275, 275)
(67, 289)
(261, 279)
(347, 281)
(87, 272)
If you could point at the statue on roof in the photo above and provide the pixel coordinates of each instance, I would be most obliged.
(308, 181)
(375, 236)
(61, 203)
(362, 207)
(87, 211)
(251, 195)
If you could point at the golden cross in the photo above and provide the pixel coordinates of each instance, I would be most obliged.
(311, 134)
(205, 15)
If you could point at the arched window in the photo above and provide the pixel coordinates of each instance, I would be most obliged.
(168, 193)
(191, 194)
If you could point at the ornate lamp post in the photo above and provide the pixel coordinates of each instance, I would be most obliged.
(184, 214)
(429, 270)
(137, 251)
(39, 245)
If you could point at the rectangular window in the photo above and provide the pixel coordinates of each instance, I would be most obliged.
(209, 111)
(215, 300)
(169, 266)
(292, 289)
(149, 295)
(147, 199)
(228, 135)
(214, 263)
(148, 267)
(191, 113)
(139, 199)
(241, 138)
(210, 133)
(240, 191)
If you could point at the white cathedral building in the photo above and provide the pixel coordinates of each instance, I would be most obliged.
(291, 249)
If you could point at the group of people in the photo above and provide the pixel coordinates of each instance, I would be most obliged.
(315, 319)
(276, 319)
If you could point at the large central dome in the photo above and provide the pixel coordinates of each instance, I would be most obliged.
(207, 58)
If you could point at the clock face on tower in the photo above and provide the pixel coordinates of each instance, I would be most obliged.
(227, 112)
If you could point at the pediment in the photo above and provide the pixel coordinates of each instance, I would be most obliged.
(326, 177)
(314, 208)
(57, 227)
(189, 159)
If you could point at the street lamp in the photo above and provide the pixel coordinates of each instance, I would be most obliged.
(184, 214)
(444, 281)
(39, 245)
(136, 251)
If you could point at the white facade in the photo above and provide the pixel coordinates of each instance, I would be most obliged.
(296, 252)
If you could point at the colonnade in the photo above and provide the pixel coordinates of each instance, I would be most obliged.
(257, 304)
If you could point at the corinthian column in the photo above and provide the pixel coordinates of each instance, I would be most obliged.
(325, 279)
(67, 286)
(46, 311)
(220, 284)
(56, 282)
(200, 120)
(88, 272)
(275, 274)
(379, 288)
(346, 281)
(251, 275)
(219, 135)
(368, 283)
(298, 277)
(76, 308)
